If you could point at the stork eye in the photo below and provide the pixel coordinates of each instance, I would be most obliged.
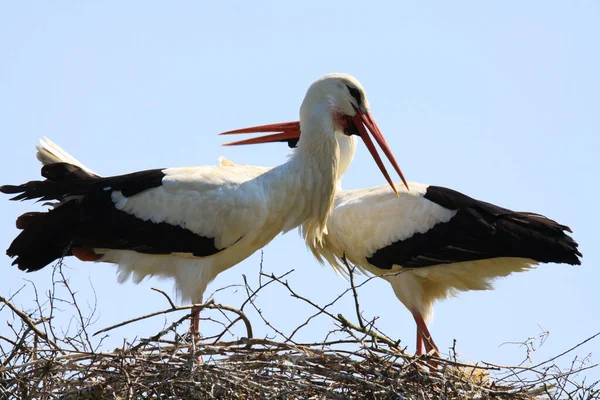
(354, 92)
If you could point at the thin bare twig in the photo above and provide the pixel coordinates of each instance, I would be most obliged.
(354, 291)
(171, 303)
(210, 305)
(28, 321)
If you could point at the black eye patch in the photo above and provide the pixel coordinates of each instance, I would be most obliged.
(354, 92)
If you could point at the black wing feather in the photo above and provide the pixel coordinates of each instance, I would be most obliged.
(86, 217)
(478, 231)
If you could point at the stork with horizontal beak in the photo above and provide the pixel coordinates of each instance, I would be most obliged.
(192, 223)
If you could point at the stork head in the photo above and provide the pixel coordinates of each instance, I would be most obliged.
(334, 104)
(334, 96)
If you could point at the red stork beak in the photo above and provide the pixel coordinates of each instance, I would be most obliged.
(362, 120)
(286, 131)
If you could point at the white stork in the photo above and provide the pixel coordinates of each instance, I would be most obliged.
(192, 223)
(428, 242)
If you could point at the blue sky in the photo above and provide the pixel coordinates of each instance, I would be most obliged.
(498, 100)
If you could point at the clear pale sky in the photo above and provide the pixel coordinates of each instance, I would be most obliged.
(500, 101)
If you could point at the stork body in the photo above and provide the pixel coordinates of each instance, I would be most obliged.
(191, 223)
(429, 242)
(155, 223)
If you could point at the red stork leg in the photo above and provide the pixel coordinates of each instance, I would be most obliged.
(419, 342)
(424, 337)
(195, 330)
(195, 322)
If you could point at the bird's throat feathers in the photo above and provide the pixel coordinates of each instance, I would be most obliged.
(319, 174)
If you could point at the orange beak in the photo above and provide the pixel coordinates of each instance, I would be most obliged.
(286, 131)
(362, 120)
